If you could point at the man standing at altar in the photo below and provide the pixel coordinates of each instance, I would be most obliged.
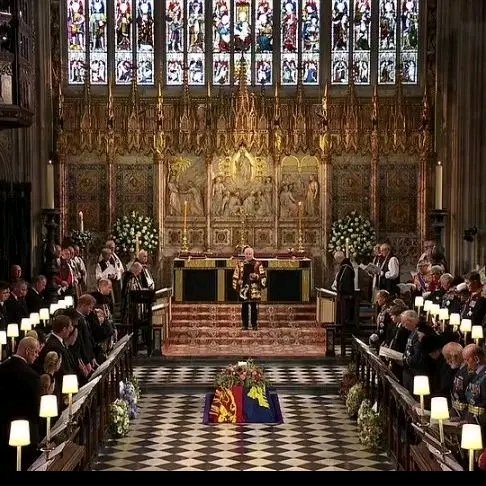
(249, 278)
(344, 286)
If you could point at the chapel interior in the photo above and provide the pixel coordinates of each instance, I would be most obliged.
(145, 145)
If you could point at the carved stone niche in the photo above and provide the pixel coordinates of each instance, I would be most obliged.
(16, 39)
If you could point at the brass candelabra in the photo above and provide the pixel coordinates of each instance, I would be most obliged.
(242, 229)
(300, 241)
(185, 244)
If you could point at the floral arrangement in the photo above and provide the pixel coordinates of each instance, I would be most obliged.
(128, 393)
(357, 230)
(132, 228)
(356, 395)
(136, 386)
(350, 378)
(245, 373)
(119, 418)
(82, 238)
(370, 426)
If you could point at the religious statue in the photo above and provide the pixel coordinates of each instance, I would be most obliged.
(311, 198)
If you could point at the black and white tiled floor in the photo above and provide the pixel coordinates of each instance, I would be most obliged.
(307, 375)
(169, 435)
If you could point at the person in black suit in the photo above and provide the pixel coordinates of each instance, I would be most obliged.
(34, 298)
(344, 286)
(16, 306)
(62, 329)
(4, 295)
(20, 392)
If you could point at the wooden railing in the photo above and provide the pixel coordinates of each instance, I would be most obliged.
(162, 316)
(83, 436)
(411, 445)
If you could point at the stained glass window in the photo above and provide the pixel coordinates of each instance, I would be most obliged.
(362, 41)
(174, 24)
(98, 42)
(340, 42)
(264, 42)
(221, 41)
(76, 38)
(195, 41)
(185, 27)
(123, 41)
(409, 40)
(310, 41)
(145, 41)
(387, 42)
(369, 40)
(242, 35)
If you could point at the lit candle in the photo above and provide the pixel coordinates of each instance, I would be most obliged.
(438, 185)
(137, 243)
(347, 247)
(300, 214)
(50, 185)
(185, 214)
(81, 222)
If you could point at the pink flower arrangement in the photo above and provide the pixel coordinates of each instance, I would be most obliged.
(245, 373)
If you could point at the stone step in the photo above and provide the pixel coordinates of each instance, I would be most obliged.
(212, 305)
(206, 341)
(238, 331)
(255, 350)
(270, 316)
(222, 309)
(239, 336)
(236, 322)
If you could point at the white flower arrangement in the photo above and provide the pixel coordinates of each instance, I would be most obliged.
(357, 230)
(119, 418)
(128, 229)
(370, 426)
(82, 238)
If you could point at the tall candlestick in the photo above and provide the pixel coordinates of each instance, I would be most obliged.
(185, 245)
(137, 243)
(300, 246)
(81, 222)
(50, 185)
(185, 215)
(438, 185)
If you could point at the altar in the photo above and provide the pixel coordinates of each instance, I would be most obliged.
(210, 279)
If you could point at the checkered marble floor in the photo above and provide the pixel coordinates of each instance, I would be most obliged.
(169, 435)
(311, 375)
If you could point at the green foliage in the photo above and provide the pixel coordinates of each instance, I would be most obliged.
(370, 426)
(356, 395)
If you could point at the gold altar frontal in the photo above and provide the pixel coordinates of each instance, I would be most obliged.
(210, 279)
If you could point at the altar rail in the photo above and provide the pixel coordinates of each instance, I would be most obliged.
(410, 445)
(91, 411)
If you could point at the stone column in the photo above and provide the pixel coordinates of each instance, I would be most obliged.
(461, 126)
(40, 133)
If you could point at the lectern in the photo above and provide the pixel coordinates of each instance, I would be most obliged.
(326, 316)
(140, 316)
